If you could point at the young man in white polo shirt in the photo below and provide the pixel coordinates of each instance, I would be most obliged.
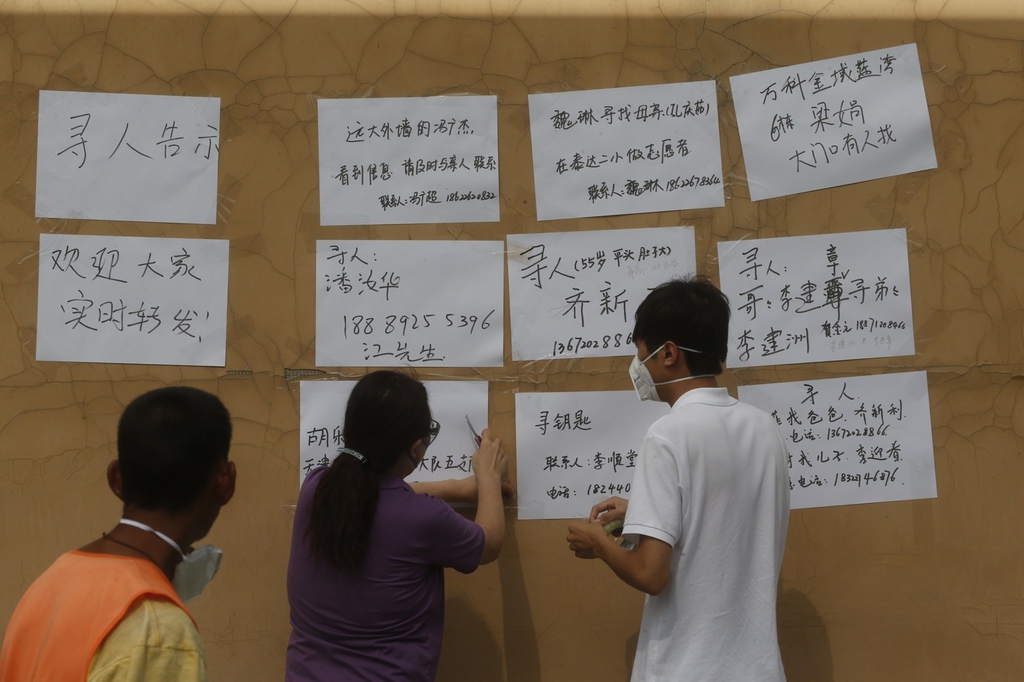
(709, 506)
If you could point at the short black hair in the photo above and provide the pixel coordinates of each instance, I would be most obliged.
(691, 312)
(169, 441)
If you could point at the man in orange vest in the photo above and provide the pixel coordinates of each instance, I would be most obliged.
(113, 610)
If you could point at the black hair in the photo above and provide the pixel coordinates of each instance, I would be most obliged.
(691, 312)
(387, 413)
(169, 441)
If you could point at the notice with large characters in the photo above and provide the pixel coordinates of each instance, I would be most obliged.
(574, 450)
(817, 298)
(833, 122)
(146, 300)
(575, 294)
(145, 158)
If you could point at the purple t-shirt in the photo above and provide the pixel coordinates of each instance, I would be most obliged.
(384, 621)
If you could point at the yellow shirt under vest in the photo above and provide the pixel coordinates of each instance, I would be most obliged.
(155, 641)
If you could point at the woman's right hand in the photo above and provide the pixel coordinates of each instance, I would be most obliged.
(489, 465)
(489, 460)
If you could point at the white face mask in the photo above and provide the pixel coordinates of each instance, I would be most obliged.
(196, 569)
(643, 383)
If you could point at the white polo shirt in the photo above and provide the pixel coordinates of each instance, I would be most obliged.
(712, 481)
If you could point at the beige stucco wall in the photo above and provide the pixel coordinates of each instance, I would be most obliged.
(925, 590)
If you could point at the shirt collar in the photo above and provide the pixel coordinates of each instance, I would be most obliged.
(717, 397)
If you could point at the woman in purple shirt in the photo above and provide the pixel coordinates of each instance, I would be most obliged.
(366, 571)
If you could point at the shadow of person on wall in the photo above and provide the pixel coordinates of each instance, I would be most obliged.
(470, 650)
(631, 644)
(522, 660)
(803, 640)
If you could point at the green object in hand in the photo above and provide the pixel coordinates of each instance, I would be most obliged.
(612, 526)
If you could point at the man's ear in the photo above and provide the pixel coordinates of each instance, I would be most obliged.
(224, 482)
(674, 357)
(672, 354)
(114, 478)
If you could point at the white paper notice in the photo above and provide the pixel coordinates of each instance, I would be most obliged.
(626, 150)
(393, 303)
(146, 158)
(817, 298)
(574, 450)
(853, 440)
(833, 122)
(574, 294)
(408, 160)
(322, 416)
(139, 300)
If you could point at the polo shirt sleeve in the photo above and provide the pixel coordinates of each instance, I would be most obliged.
(657, 497)
(451, 540)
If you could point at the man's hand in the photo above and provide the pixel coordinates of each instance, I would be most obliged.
(612, 509)
(586, 538)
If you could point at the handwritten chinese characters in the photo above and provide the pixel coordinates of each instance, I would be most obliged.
(322, 416)
(853, 440)
(833, 122)
(147, 158)
(132, 300)
(574, 294)
(626, 150)
(408, 160)
(395, 303)
(817, 298)
(576, 449)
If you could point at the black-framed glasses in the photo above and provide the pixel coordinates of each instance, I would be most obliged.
(431, 436)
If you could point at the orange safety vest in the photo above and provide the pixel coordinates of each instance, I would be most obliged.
(70, 609)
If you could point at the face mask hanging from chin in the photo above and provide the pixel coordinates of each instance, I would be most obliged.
(196, 569)
(644, 384)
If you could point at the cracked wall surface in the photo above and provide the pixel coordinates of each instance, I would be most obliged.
(906, 591)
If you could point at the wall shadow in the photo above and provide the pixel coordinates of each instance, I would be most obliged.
(475, 654)
(803, 640)
(522, 659)
(631, 652)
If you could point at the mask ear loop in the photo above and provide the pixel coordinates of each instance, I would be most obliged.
(137, 549)
(692, 350)
(142, 526)
(676, 381)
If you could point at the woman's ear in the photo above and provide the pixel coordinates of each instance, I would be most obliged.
(418, 451)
